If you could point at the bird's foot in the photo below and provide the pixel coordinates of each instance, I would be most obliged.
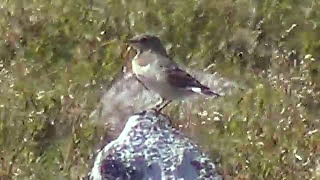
(163, 105)
(160, 106)
(156, 110)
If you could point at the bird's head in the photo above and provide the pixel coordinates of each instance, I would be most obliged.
(147, 43)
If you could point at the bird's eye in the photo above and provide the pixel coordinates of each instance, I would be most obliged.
(143, 39)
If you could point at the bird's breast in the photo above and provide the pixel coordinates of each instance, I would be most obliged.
(146, 65)
(140, 70)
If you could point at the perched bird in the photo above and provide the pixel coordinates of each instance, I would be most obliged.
(157, 72)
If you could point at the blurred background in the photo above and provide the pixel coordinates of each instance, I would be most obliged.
(58, 58)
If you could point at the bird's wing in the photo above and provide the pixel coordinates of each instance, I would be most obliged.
(181, 79)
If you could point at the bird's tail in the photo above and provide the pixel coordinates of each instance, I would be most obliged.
(209, 92)
(205, 91)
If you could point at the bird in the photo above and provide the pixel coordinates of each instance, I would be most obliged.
(160, 74)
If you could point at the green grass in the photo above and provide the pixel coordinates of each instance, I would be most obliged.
(56, 55)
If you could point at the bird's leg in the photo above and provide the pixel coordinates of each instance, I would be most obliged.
(162, 103)
(158, 104)
(165, 104)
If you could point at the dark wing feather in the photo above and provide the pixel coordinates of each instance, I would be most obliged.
(181, 79)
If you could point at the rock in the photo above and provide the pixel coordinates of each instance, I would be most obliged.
(150, 148)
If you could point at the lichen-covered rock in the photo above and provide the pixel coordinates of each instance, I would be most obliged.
(149, 148)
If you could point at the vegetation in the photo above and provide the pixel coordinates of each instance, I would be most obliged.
(56, 56)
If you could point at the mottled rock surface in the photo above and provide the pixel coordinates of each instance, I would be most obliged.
(149, 148)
